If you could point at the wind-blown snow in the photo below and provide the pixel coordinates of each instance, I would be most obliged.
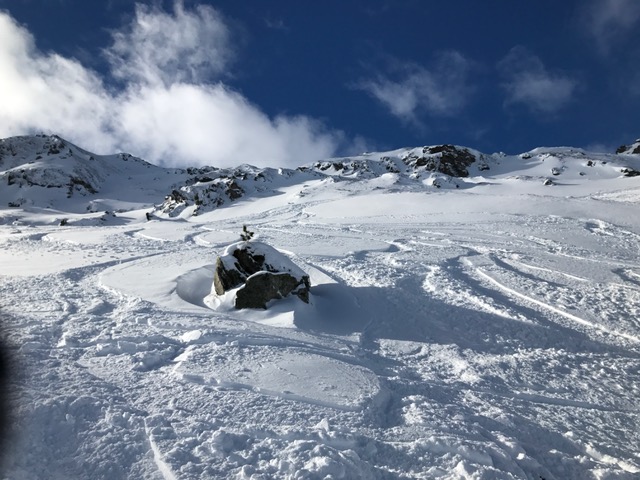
(484, 332)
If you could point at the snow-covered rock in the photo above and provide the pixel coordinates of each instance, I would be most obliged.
(208, 188)
(411, 163)
(633, 149)
(262, 273)
(447, 159)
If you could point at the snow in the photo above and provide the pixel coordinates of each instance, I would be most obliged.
(484, 332)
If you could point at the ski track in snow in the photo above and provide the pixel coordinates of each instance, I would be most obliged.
(500, 347)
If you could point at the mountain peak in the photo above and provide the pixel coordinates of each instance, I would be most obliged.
(633, 149)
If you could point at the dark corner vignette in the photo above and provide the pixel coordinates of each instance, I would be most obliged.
(5, 397)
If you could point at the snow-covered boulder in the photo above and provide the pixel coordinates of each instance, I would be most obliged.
(262, 273)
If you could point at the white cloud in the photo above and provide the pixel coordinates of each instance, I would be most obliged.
(215, 126)
(39, 92)
(609, 21)
(186, 46)
(528, 82)
(171, 108)
(441, 90)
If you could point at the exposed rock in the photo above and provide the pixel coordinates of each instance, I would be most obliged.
(225, 279)
(263, 287)
(446, 159)
(80, 185)
(209, 188)
(482, 164)
(204, 193)
(234, 191)
(262, 272)
(629, 172)
(633, 149)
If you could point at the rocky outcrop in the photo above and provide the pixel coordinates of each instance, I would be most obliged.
(633, 149)
(629, 172)
(204, 193)
(446, 159)
(261, 273)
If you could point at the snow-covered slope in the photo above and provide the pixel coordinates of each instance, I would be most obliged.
(488, 331)
(48, 172)
(51, 173)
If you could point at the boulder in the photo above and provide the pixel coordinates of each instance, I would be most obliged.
(260, 273)
(262, 287)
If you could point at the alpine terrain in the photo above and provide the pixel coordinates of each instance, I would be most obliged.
(467, 316)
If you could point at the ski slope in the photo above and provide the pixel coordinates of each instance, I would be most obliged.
(485, 332)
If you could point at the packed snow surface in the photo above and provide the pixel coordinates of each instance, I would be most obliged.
(484, 332)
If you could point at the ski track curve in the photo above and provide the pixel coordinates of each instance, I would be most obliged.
(553, 309)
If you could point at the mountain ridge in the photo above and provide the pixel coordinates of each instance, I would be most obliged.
(47, 171)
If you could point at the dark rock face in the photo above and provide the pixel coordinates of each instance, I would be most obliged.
(266, 286)
(225, 279)
(207, 194)
(633, 149)
(630, 172)
(446, 159)
(250, 262)
(266, 274)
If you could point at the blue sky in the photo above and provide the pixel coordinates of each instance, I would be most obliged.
(284, 82)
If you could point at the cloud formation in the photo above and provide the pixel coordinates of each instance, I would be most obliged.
(171, 105)
(408, 90)
(528, 82)
(609, 21)
(186, 46)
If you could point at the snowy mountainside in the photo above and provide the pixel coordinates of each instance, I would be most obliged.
(208, 188)
(49, 172)
(412, 163)
(484, 332)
